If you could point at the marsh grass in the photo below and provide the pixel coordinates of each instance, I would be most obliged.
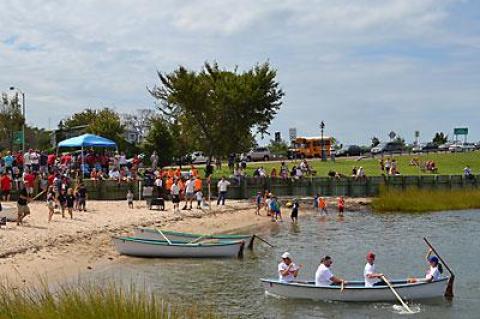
(91, 301)
(419, 201)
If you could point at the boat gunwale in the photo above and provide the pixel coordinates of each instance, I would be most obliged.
(176, 243)
(311, 284)
(186, 234)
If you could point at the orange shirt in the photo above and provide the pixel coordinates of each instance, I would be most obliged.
(169, 183)
(178, 172)
(170, 173)
(181, 185)
(321, 203)
(194, 171)
(198, 184)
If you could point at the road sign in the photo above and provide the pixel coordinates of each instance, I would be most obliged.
(417, 134)
(278, 137)
(460, 131)
(18, 137)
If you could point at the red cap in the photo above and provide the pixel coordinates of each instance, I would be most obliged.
(370, 255)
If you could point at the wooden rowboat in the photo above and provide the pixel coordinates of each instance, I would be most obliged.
(177, 249)
(356, 290)
(154, 234)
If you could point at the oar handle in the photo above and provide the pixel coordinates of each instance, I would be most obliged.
(439, 257)
(266, 242)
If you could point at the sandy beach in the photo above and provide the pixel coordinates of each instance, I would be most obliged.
(65, 247)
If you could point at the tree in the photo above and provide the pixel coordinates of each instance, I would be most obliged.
(11, 119)
(440, 138)
(375, 141)
(278, 148)
(80, 119)
(161, 140)
(220, 110)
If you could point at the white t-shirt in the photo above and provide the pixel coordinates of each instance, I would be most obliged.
(175, 190)
(369, 269)
(323, 275)
(434, 273)
(158, 182)
(222, 185)
(290, 276)
(189, 186)
(26, 159)
(199, 195)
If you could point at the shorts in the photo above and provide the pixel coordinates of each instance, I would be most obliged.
(51, 204)
(176, 199)
(81, 201)
(294, 213)
(6, 192)
(23, 210)
(29, 189)
(189, 195)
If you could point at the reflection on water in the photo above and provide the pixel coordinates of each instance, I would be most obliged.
(233, 286)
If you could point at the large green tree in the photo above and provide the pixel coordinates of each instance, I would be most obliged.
(220, 110)
(11, 119)
(440, 138)
(161, 140)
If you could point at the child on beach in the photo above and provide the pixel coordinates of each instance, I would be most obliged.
(199, 197)
(275, 209)
(82, 197)
(258, 201)
(323, 206)
(315, 202)
(70, 200)
(50, 203)
(62, 201)
(130, 199)
(341, 205)
(295, 207)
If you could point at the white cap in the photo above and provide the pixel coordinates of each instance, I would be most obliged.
(286, 255)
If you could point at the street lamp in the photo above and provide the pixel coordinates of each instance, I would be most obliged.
(324, 156)
(12, 88)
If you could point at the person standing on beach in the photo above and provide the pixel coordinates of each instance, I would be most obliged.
(62, 201)
(275, 208)
(50, 203)
(295, 207)
(189, 192)
(315, 202)
(258, 201)
(22, 205)
(341, 206)
(222, 190)
(199, 197)
(70, 199)
(82, 197)
(130, 199)
(323, 206)
(6, 185)
(175, 192)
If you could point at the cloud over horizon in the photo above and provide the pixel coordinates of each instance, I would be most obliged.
(365, 67)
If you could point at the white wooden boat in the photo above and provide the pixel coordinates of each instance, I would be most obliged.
(10, 212)
(154, 234)
(177, 249)
(356, 291)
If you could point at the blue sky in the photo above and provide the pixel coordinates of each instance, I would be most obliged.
(365, 67)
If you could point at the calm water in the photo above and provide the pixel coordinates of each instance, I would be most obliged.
(232, 286)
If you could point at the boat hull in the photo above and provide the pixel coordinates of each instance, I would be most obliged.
(153, 234)
(154, 248)
(357, 292)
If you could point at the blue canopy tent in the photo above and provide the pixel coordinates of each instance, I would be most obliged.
(86, 140)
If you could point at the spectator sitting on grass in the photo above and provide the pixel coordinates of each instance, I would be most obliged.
(114, 174)
(354, 171)
(467, 173)
(360, 173)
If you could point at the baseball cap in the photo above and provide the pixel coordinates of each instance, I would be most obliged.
(286, 255)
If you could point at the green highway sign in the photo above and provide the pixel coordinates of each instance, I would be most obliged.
(18, 137)
(460, 131)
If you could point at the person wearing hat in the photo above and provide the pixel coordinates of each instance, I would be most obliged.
(434, 271)
(287, 270)
(324, 276)
(370, 274)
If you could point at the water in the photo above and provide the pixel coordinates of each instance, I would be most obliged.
(232, 286)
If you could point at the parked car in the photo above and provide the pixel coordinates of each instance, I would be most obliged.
(444, 147)
(462, 147)
(259, 154)
(349, 150)
(430, 147)
(417, 148)
(477, 145)
(388, 147)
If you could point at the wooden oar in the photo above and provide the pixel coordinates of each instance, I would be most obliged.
(38, 195)
(266, 242)
(396, 294)
(163, 235)
(342, 286)
(449, 289)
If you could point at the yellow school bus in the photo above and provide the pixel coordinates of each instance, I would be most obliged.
(308, 147)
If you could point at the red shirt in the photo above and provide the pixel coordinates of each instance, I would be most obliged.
(29, 180)
(19, 158)
(51, 159)
(6, 183)
(50, 179)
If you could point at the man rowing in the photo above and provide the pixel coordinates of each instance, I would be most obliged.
(324, 276)
(287, 270)
(370, 274)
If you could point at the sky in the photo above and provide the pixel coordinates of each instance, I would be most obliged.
(364, 67)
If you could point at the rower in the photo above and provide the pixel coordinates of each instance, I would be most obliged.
(370, 275)
(324, 276)
(287, 270)
(433, 273)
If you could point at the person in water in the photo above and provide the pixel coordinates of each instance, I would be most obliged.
(341, 206)
(295, 207)
(434, 271)
(370, 272)
(324, 276)
(287, 270)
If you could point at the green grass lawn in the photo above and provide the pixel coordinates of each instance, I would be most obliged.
(447, 163)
